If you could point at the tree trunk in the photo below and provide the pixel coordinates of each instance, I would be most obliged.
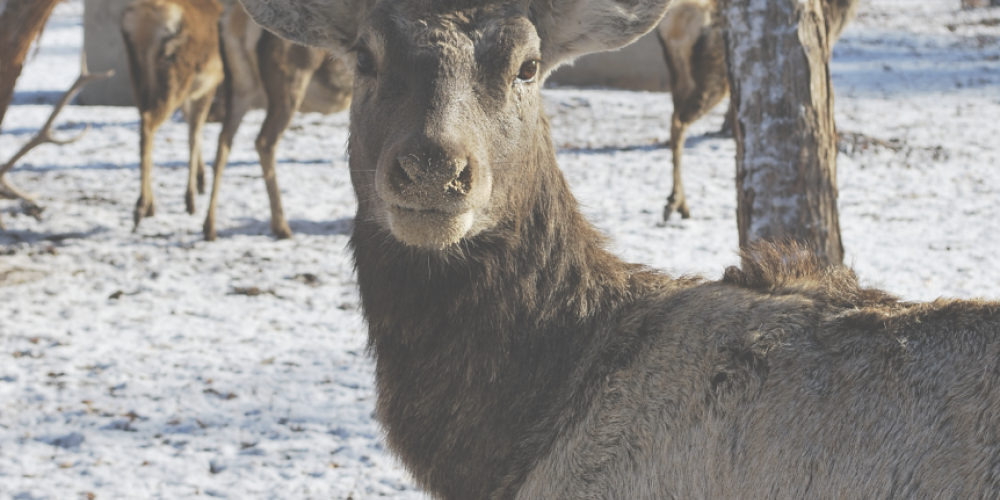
(20, 23)
(778, 55)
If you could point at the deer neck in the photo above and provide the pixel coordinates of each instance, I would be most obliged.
(475, 344)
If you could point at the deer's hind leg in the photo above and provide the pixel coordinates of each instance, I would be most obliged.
(677, 202)
(236, 109)
(150, 121)
(154, 109)
(197, 116)
(277, 121)
(285, 82)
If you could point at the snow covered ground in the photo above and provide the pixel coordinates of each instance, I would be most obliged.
(155, 365)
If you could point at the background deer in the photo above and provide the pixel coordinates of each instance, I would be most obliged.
(266, 71)
(695, 52)
(173, 63)
(516, 358)
(174, 60)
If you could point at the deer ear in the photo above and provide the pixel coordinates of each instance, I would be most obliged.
(571, 28)
(328, 24)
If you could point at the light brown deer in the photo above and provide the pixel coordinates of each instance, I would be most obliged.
(695, 54)
(174, 60)
(262, 71)
(266, 71)
(516, 358)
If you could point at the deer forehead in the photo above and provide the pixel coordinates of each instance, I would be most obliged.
(468, 33)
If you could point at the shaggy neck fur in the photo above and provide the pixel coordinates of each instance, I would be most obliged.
(477, 345)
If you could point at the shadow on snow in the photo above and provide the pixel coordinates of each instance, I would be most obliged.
(14, 236)
(254, 227)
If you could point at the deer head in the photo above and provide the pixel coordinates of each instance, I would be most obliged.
(447, 121)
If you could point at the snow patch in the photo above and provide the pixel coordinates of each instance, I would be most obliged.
(180, 386)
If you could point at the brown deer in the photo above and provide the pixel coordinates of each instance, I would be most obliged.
(266, 71)
(174, 60)
(516, 358)
(262, 71)
(695, 53)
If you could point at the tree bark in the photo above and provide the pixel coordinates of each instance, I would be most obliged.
(20, 23)
(786, 171)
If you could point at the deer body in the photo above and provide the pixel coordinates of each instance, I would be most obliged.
(516, 358)
(695, 53)
(173, 54)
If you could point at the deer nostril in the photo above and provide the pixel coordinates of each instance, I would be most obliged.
(463, 183)
(401, 173)
(410, 171)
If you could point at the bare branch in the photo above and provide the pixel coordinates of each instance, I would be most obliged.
(44, 135)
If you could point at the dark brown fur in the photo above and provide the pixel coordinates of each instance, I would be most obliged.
(459, 406)
(488, 354)
(521, 360)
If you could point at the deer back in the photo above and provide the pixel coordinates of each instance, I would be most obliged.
(173, 50)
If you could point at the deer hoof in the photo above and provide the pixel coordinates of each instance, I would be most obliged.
(281, 231)
(143, 209)
(189, 202)
(675, 205)
(201, 181)
(685, 213)
(209, 231)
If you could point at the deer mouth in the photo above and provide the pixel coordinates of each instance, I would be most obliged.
(429, 228)
(432, 201)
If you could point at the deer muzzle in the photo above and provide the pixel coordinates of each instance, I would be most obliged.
(431, 199)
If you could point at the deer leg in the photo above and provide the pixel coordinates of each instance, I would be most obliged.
(677, 202)
(284, 97)
(201, 175)
(234, 117)
(197, 114)
(144, 206)
(727, 123)
(274, 126)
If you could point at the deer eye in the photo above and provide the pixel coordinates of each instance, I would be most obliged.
(366, 62)
(528, 71)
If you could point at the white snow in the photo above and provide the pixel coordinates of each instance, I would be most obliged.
(136, 365)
